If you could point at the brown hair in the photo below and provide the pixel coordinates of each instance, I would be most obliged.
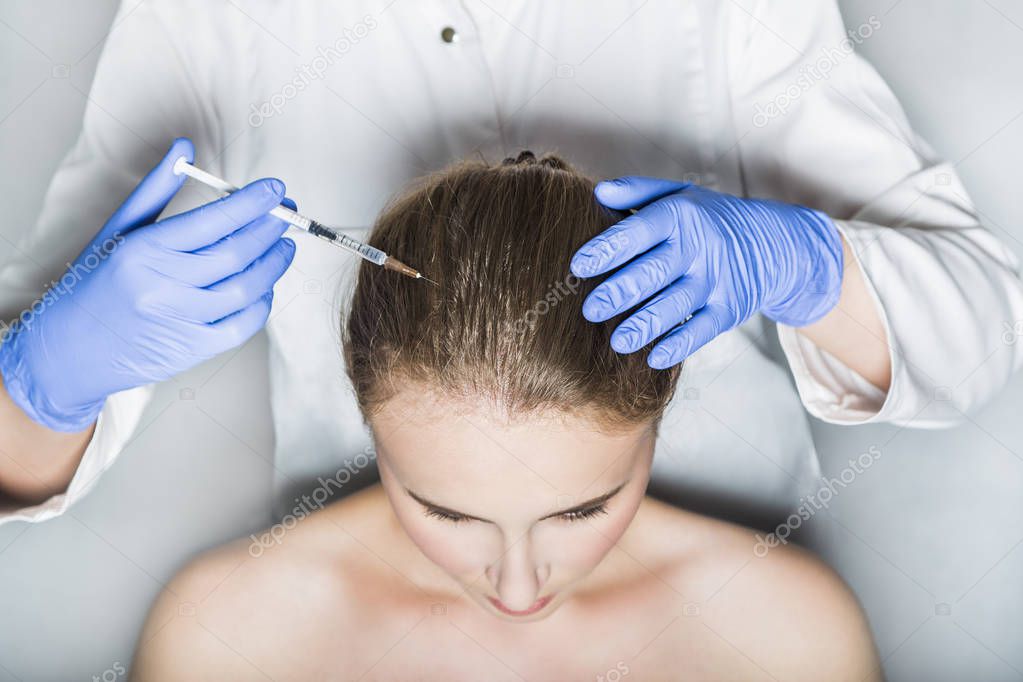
(504, 323)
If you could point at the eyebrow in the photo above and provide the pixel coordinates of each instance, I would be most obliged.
(601, 499)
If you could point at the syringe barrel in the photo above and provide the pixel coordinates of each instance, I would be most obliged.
(370, 253)
(366, 251)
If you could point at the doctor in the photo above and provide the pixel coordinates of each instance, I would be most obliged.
(889, 295)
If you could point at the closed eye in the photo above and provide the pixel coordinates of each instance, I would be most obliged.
(587, 510)
(574, 515)
(580, 514)
(445, 515)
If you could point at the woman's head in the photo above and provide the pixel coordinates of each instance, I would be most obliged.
(490, 395)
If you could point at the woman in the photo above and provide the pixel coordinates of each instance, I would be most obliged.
(510, 536)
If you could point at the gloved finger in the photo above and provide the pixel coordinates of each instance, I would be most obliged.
(633, 191)
(636, 282)
(211, 222)
(232, 254)
(240, 326)
(706, 324)
(625, 240)
(151, 195)
(667, 310)
(240, 290)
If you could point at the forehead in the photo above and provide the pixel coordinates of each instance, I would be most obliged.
(433, 443)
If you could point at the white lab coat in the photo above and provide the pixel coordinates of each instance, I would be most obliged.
(364, 96)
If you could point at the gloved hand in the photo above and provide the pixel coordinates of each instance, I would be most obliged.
(145, 301)
(716, 257)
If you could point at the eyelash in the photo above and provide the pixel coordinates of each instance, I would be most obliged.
(587, 513)
(577, 515)
(440, 514)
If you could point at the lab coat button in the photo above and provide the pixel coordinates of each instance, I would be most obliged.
(448, 35)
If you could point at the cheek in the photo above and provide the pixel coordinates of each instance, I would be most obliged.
(584, 544)
(456, 549)
(446, 545)
(580, 546)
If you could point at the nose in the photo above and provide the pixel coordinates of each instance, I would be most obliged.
(517, 577)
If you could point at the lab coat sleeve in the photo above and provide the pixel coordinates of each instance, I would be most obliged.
(140, 100)
(816, 125)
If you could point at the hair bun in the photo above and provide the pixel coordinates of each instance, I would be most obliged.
(524, 157)
(528, 158)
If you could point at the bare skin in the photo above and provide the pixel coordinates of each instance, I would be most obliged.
(35, 462)
(347, 596)
(377, 587)
(853, 331)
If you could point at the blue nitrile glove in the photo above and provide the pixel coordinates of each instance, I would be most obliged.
(714, 256)
(145, 301)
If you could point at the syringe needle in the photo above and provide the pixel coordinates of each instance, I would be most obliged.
(392, 263)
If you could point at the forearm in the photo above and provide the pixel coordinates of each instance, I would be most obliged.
(35, 462)
(853, 331)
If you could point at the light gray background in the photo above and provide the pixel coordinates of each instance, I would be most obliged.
(929, 537)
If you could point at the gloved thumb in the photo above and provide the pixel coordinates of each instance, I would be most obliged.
(634, 191)
(144, 205)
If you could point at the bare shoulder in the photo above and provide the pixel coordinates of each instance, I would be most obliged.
(243, 610)
(783, 609)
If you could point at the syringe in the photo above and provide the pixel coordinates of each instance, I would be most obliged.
(372, 254)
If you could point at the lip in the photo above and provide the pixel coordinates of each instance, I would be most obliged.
(537, 605)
